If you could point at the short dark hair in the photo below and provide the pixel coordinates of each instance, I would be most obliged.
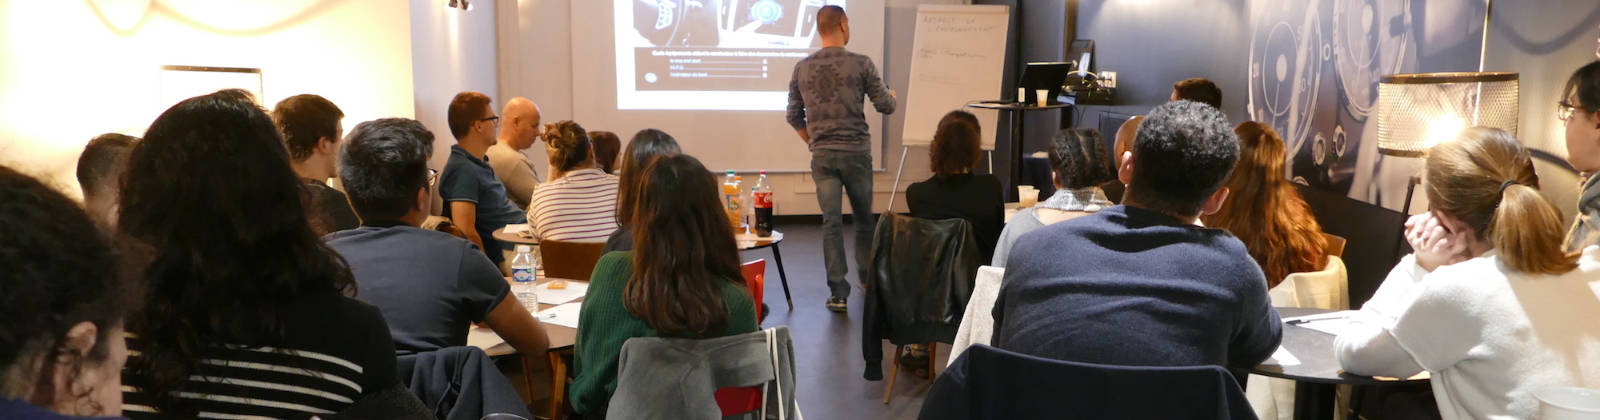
(606, 147)
(1183, 152)
(1585, 84)
(828, 18)
(1078, 158)
(957, 144)
(303, 120)
(466, 109)
(60, 271)
(1199, 89)
(383, 164)
(103, 161)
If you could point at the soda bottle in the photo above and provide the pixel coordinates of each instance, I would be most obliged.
(762, 201)
(524, 271)
(731, 200)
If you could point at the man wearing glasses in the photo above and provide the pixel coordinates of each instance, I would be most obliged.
(429, 285)
(474, 199)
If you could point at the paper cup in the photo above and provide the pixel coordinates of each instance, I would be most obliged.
(1568, 403)
(1027, 197)
(1043, 96)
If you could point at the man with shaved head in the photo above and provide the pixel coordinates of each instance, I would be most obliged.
(825, 108)
(518, 132)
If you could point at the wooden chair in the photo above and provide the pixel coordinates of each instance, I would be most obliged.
(755, 273)
(1335, 245)
(570, 260)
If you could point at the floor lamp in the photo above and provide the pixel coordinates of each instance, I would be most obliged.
(1417, 111)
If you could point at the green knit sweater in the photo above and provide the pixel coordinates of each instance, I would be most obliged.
(604, 324)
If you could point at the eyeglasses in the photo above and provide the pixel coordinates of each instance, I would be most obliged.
(1564, 110)
(433, 177)
(492, 118)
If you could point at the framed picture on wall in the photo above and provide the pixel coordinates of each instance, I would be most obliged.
(177, 83)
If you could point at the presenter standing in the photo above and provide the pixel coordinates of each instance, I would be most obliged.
(825, 107)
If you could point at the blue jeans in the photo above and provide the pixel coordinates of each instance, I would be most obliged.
(837, 173)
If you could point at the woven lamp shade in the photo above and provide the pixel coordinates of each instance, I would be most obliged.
(1417, 111)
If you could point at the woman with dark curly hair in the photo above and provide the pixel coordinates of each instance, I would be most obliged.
(247, 312)
(61, 307)
(1078, 166)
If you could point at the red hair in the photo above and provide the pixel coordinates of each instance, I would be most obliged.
(1264, 210)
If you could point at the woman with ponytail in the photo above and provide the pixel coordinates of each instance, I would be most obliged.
(579, 204)
(1489, 303)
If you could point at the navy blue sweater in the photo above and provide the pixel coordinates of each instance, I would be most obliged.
(1130, 286)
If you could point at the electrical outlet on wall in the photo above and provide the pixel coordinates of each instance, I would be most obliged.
(1108, 79)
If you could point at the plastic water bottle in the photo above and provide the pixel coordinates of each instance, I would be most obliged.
(524, 271)
(762, 201)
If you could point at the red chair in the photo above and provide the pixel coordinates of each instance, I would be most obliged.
(743, 400)
(755, 273)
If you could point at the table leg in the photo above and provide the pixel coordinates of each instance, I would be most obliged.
(783, 277)
(1016, 154)
(1313, 401)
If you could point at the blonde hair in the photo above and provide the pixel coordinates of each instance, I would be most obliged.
(1486, 179)
(1265, 212)
(567, 144)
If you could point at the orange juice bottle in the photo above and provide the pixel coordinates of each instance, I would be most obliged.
(732, 200)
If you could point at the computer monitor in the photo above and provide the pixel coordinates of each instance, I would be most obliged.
(1036, 76)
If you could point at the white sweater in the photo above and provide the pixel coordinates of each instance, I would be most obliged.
(1489, 336)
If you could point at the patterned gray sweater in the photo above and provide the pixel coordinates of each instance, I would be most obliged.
(825, 99)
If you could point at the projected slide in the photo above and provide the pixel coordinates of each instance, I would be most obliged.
(711, 54)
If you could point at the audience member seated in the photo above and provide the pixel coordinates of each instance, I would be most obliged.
(645, 146)
(518, 133)
(1198, 89)
(238, 290)
(429, 285)
(474, 199)
(579, 204)
(954, 192)
(1265, 211)
(1580, 112)
(681, 279)
(100, 169)
(1140, 284)
(311, 126)
(606, 150)
(1125, 134)
(61, 337)
(1078, 165)
(1489, 303)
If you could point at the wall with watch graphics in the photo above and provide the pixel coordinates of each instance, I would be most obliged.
(1311, 68)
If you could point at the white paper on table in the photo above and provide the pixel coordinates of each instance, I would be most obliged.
(1331, 323)
(574, 290)
(1282, 357)
(483, 338)
(564, 315)
(518, 228)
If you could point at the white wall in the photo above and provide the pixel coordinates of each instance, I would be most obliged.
(70, 70)
(452, 51)
(542, 38)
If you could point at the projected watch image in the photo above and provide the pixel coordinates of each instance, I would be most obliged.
(728, 23)
(678, 23)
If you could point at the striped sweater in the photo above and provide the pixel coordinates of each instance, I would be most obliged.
(335, 351)
(579, 207)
